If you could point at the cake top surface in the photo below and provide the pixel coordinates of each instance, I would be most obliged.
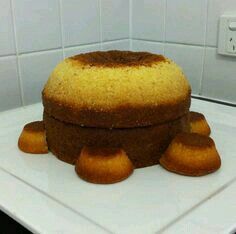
(195, 116)
(36, 126)
(115, 58)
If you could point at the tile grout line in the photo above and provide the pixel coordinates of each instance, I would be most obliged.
(57, 200)
(130, 25)
(196, 206)
(164, 36)
(7, 56)
(173, 43)
(20, 85)
(59, 48)
(81, 45)
(204, 52)
(115, 40)
(40, 51)
(61, 28)
(100, 24)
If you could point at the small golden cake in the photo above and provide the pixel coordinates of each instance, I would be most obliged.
(198, 124)
(191, 154)
(103, 165)
(33, 138)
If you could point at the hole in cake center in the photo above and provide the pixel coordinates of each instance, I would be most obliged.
(116, 58)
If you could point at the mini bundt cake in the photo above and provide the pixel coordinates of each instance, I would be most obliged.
(103, 165)
(191, 154)
(136, 101)
(33, 138)
(198, 123)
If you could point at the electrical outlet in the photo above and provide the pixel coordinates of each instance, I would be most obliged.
(231, 42)
(227, 35)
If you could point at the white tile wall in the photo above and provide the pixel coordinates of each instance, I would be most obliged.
(9, 88)
(153, 47)
(81, 49)
(35, 70)
(35, 35)
(116, 45)
(215, 9)
(219, 79)
(148, 18)
(7, 44)
(186, 21)
(114, 19)
(191, 65)
(37, 25)
(80, 21)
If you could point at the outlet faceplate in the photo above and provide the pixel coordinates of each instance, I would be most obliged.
(227, 35)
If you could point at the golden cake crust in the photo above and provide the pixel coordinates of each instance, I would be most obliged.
(191, 154)
(121, 117)
(103, 165)
(33, 138)
(198, 123)
(117, 89)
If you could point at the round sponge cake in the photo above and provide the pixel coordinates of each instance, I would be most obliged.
(117, 89)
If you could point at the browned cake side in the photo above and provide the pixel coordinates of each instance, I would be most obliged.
(143, 146)
(123, 117)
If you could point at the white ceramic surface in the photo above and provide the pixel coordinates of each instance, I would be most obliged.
(37, 25)
(148, 19)
(186, 21)
(153, 47)
(216, 215)
(7, 43)
(10, 96)
(114, 19)
(219, 78)
(80, 22)
(191, 65)
(35, 70)
(19, 200)
(148, 201)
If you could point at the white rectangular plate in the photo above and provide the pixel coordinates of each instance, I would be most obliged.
(151, 200)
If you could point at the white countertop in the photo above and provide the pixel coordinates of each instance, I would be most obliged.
(46, 196)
